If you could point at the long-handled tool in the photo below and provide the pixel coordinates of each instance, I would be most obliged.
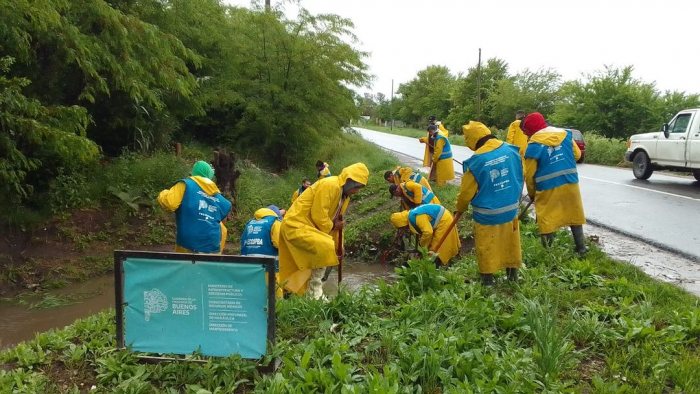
(392, 245)
(340, 252)
(447, 233)
(524, 211)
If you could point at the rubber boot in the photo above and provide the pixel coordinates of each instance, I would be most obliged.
(512, 274)
(579, 239)
(487, 279)
(315, 287)
(547, 239)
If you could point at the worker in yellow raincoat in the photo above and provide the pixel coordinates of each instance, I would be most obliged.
(405, 174)
(552, 179)
(515, 134)
(200, 211)
(492, 182)
(323, 169)
(413, 194)
(304, 185)
(310, 226)
(442, 158)
(431, 222)
(429, 142)
(260, 237)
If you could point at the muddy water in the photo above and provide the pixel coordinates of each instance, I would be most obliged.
(657, 263)
(20, 323)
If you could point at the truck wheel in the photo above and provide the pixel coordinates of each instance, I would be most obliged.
(641, 166)
(696, 174)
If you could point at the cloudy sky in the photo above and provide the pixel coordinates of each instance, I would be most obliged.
(659, 38)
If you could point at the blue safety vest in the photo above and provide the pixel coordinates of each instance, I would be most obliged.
(434, 211)
(427, 194)
(446, 149)
(416, 177)
(256, 239)
(556, 165)
(499, 174)
(198, 219)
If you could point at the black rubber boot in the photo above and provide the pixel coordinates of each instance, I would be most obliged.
(547, 239)
(487, 279)
(512, 274)
(579, 239)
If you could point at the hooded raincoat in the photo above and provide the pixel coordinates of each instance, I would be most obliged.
(307, 238)
(413, 193)
(427, 159)
(516, 137)
(406, 174)
(444, 170)
(560, 206)
(171, 199)
(497, 246)
(431, 234)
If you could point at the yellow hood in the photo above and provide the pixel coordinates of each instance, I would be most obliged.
(550, 136)
(206, 184)
(473, 132)
(399, 219)
(263, 213)
(358, 172)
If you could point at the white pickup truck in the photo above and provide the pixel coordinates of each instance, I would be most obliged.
(676, 147)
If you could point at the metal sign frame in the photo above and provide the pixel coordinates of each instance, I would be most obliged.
(121, 255)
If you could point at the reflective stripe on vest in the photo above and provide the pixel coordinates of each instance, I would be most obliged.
(427, 194)
(433, 210)
(416, 178)
(556, 174)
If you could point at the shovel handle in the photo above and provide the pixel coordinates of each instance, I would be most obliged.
(449, 230)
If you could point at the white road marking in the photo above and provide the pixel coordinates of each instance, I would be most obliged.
(641, 188)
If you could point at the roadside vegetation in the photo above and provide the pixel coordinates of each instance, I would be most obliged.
(569, 325)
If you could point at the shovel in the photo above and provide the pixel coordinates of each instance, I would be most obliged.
(447, 234)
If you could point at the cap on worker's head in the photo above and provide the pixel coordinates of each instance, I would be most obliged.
(276, 210)
(392, 189)
(203, 169)
(473, 132)
(319, 163)
(533, 123)
(432, 128)
(399, 219)
(432, 117)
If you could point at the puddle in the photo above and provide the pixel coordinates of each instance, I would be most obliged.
(659, 264)
(20, 322)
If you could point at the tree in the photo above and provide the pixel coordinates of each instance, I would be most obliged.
(611, 102)
(427, 94)
(465, 93)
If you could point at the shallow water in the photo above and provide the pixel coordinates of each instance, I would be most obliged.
(20, 323)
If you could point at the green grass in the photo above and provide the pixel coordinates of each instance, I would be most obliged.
(570, 325)
(606, 151)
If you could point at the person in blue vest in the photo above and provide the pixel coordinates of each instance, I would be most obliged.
(413, 194)
(431, 222)
(493, 183)
(261, 236)
(442, 157)
(552, 179)
(200, 211)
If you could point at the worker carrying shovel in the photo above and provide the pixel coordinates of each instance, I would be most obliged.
(492, 183)
(310, 232)
(433, 223)
(552, 179)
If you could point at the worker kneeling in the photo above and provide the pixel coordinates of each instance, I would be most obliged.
(261, 236)
(552, 179)
(413, 194)
(492, 183)
(431, 222)
(309, 235)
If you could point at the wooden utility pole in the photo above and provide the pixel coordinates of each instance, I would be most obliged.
(391, 105)
(478, 88)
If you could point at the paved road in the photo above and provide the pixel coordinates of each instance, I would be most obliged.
(663, 211)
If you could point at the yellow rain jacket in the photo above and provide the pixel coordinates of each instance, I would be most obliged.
(307, 239)
(429, 236)
(426, 157)
(405, 176)
(416, 189)
(444, 169)
(325, 172)
(170, 200)
(516, 137)
(497, 246)
(562, 205)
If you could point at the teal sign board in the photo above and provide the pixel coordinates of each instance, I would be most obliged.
(180, 306)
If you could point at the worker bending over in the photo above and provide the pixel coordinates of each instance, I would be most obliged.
(431, 222)
(405, 174)
(413, 194)
(261, 236)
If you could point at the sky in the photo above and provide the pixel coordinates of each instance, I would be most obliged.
(658, 38)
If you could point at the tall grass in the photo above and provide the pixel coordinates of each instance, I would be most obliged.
(606, 151)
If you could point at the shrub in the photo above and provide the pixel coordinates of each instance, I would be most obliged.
(606, 151)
